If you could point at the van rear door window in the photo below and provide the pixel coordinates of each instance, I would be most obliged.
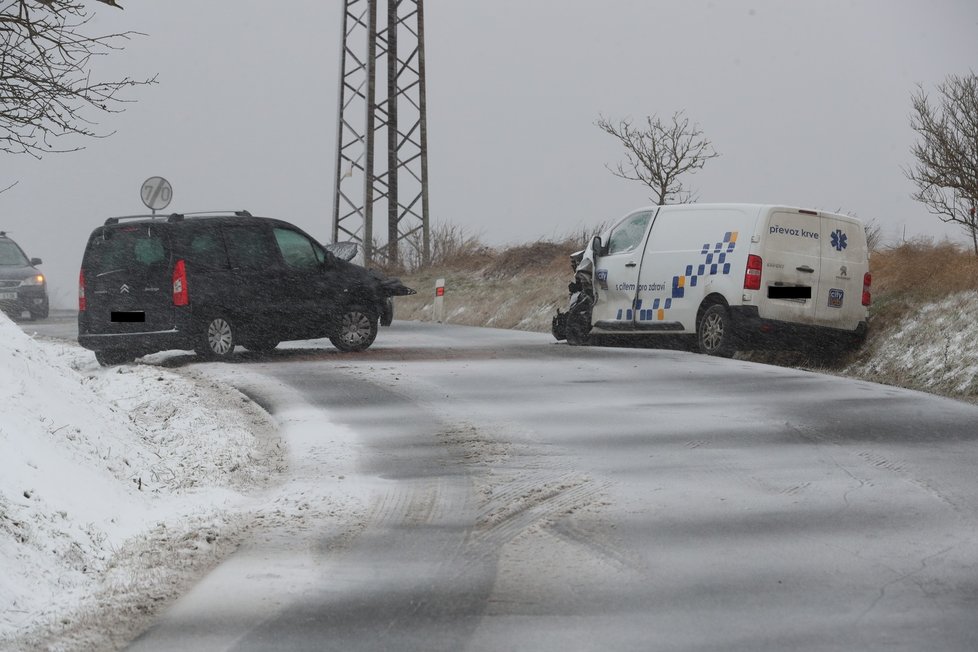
(133, 247)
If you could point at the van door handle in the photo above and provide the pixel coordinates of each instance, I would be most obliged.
(806, 269)
(633, 264)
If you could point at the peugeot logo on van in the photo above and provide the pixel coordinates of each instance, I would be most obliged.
(124, 289)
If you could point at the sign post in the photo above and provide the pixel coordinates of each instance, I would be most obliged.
(156, 193)
(439, 307)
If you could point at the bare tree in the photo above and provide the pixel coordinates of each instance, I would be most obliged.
(46, 87)
(660, 153)
(946, 154)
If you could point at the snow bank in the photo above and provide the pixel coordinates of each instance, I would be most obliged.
(931, 350)
(99, 463)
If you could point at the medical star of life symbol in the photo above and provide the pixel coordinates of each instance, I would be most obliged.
(839, 239)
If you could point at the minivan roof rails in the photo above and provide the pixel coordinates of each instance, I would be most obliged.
(241, 213)
(176, 217)
(116, 220)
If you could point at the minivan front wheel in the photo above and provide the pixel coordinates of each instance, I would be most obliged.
(715, 332)
(216, 339)
(357, 330)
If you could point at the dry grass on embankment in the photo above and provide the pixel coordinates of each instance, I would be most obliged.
(912, 342)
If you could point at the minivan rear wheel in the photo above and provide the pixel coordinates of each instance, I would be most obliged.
(357, 330)
(715, 332)
(216, 339)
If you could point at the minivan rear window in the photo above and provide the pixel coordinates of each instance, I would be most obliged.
(126, 248)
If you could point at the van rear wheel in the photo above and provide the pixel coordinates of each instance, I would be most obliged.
(216, 339)
(715, 332)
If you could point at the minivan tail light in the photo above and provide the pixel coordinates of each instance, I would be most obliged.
(181, 295)
(81, 291)
(867, 283)
(752, 278)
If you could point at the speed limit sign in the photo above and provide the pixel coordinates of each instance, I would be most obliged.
(156, 193)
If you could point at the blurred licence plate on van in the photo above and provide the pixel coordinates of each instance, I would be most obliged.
(8, 296)
(129, 316)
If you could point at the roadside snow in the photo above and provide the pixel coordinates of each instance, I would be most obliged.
(117, 486)
(932, 351)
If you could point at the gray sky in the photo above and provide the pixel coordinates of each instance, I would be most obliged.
(807, 102)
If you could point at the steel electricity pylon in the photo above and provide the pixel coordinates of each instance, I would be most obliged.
(382, 141)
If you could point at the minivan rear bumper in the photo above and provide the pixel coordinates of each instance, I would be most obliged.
(178, 336)
(137, 343)
(755, 332)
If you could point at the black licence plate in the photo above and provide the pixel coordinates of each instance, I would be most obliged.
(128, 316)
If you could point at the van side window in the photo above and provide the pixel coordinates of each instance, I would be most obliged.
(207, 250)
(628, 234)
(297, 250)
(249, 247)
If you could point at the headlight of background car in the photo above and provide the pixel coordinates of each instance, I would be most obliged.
(37, 279)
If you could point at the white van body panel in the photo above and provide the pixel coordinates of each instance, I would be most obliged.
(691, 255)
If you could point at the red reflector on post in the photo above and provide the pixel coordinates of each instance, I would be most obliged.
(440, 292)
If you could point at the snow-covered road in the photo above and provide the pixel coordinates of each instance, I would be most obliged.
(461, 488)
(522, 494)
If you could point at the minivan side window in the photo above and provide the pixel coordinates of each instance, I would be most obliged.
(297, 250)
(207, 250)
(249, 247)
(628, 234)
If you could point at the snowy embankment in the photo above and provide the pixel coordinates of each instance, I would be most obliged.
(932, 350)
(119, 487)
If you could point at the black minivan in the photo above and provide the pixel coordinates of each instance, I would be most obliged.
(211, 281)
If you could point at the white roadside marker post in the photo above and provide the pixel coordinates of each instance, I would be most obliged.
(439, 300)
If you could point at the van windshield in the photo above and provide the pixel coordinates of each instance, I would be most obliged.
(11, 255)
(131, 247)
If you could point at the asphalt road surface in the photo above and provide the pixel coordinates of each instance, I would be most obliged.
(520, 494)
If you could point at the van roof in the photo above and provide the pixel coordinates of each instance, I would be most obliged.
(751, 206)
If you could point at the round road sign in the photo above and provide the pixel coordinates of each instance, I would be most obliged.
(156, 193)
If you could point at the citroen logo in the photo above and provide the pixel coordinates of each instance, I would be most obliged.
(124, 289)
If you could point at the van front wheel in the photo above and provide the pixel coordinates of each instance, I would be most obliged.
(715, 332)
(357, 330)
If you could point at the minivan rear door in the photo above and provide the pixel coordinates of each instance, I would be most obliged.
(838, 302)
(128, 276)
(791, 266)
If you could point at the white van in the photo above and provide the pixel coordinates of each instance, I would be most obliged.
(737, 276)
